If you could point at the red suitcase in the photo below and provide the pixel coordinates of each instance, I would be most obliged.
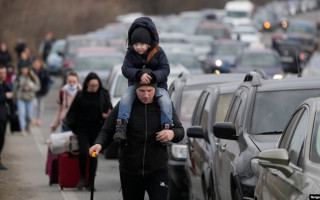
(52, 167)
(69, 173)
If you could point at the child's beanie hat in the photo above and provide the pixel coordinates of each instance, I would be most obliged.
(141, 34)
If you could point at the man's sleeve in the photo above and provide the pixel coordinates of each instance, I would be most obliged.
(178, 128)
(105, 136)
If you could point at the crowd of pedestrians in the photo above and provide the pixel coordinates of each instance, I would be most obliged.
(144, 118)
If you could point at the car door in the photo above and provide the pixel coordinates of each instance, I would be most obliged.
(276, 185)
(229, 149)
(195, 150)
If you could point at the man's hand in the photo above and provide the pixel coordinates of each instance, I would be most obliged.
(9, 95)
(145, 78)
(95, 148)
(165, 135)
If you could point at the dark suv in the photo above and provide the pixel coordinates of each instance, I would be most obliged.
(184, 93)
(258, 113)
(292, 55)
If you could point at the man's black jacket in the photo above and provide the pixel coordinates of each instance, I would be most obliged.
(141, 153)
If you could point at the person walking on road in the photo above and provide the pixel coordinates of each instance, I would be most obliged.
(143, 160)
(25, 87)
(144, 52)
(46, 45)
(45, 83)
(85, 117)
(66, 96)
(5, 56)
(5, 100)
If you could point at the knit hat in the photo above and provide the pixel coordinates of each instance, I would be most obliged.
(142, 35)
(137, 84)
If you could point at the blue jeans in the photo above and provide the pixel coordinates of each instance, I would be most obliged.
(164, 102)
(25, 110)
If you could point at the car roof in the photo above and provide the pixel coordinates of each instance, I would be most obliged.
(289, 83)
(200, 79)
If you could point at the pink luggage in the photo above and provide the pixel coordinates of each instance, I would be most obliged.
(52, 167)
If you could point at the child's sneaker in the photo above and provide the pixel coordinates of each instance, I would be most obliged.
(121, 130)
(166, 127)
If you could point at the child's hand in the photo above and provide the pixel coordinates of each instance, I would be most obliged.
(145, 79)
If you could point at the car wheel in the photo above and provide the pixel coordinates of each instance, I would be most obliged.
(237, 195)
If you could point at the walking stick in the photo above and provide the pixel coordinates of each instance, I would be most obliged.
(92, 174)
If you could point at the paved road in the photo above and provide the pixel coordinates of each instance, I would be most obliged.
(26, 156)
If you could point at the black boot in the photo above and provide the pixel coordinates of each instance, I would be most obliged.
(167, 127)
(121, 130)
(81, 183)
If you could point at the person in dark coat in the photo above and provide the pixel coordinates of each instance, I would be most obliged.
(20, 47)
(5, 57)
(143, 160)
(45, 84)
(144, 52)
(89, 109)
(5, 99)
(46, 45)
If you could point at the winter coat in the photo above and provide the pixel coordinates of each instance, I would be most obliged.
(140, 153)
(5, 58)
(133, 62)
(87, 108)
(64, 102)
(19, 84)
(45, 81)
(5, 104)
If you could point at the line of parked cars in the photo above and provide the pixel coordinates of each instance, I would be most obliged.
(233, 123)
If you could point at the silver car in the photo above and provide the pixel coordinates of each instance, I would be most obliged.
(291, 171)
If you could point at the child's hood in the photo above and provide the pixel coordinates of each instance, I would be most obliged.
(147, 23)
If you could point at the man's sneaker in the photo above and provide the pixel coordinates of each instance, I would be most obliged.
(166, 127)
(121, 130)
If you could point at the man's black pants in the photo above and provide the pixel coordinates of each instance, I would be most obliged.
(3, 125)
(155, 183)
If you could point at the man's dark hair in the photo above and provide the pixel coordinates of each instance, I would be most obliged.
(2, 66)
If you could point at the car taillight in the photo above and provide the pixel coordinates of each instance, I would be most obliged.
(302, 56)
(66, 64)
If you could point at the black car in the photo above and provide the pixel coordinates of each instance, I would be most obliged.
(184, 93)
(292, 55)
(212, 106)
(257, 115)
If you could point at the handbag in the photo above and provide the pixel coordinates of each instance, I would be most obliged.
(63, 142)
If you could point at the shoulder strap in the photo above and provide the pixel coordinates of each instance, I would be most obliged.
(152, 53)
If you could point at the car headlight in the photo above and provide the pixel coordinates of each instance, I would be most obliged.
(179, 151)
(277, 76)
(218, 63)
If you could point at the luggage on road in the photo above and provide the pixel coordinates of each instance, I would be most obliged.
(69, 173)
(52, 167)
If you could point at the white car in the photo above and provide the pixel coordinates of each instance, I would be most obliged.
(246, 33)
(117, 83)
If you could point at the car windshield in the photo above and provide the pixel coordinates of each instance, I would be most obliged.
(121, 86)
(97, 62)
(301, 29)
(259, 60)
(228, 49)
(188, 61)
(188, 101)
(57, 47)
(237, 14)
(270, 117)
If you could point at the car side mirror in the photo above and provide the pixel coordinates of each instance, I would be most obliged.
(277, 159)
(225, 130)
(255, 167)
(195, 132)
